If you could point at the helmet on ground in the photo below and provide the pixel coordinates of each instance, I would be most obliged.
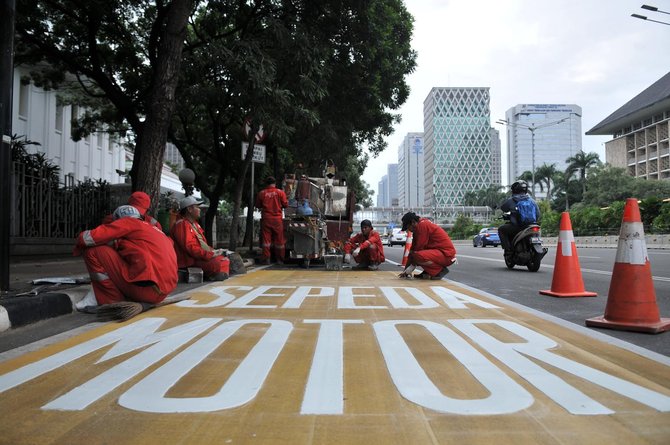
(519, 187)
(126, 211)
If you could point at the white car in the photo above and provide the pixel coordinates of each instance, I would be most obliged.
(398, 237)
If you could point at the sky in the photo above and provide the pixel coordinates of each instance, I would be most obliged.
(586, 52)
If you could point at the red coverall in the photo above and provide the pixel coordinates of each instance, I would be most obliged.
(432, 248)
(192, 248)
(372, 251)
(128, 259)
(271, 201)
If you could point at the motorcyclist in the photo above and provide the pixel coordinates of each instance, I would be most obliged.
(508, 231)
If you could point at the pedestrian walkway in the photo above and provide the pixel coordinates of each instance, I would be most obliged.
(333, 357)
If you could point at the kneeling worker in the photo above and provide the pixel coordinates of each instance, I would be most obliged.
(432, 248)
(367, 248)
(128, 259)
(191, 244)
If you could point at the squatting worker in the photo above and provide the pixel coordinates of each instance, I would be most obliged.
(271, 201)
(367, 248)
(191, 245)
(128, 259)
(141, 202)
(431, 249)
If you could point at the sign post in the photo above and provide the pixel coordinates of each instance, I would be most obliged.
(258, 157)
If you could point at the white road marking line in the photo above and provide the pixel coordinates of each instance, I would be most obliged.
(551, 266)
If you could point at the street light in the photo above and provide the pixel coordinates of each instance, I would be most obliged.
(653, 9)
(532, 127)
(187, 178)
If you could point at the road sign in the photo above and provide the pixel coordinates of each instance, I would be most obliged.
(260, 134)
(259, 152)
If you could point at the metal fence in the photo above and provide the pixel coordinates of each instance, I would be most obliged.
(42, 207)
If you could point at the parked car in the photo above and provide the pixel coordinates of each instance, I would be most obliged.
(386, 239)
(486, 237)
(398, 237)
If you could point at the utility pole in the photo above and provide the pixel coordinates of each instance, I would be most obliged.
(7, 11)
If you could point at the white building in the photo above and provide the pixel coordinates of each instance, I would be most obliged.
(38, 115)
(411, 171)
(557, 131)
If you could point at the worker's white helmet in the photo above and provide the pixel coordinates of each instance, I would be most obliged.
(126, 211)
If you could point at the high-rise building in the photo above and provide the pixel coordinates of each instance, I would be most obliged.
(639, 130)
(457, 138)
(541, 134)
(392, 184)
(411, 171)
(382, 195)
(496, 161)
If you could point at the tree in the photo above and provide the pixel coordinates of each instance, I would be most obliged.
(124, 56)
(546, 174)
(606, 185)
(580, 163)
(490, 196)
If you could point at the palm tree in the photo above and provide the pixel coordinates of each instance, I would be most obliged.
(581, 162)
(546, 173)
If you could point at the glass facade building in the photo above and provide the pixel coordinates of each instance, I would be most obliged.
(411, 171)
(558, 136)
(457, 144)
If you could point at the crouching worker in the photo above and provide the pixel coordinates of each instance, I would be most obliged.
(191, 245)
(431, 249)
(366, 248)
(128, 259)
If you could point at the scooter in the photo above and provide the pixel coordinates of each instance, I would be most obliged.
(527, 249)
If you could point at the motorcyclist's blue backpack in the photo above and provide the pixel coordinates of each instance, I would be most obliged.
(527, 212)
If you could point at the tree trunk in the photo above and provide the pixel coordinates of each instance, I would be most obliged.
(237, 201)
(148, 159)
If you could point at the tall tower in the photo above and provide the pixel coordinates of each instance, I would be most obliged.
(496, 161)
(457, 137)
(411, 171)
(392, 184)
(558, 135)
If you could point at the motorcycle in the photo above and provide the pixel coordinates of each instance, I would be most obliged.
(527, 248)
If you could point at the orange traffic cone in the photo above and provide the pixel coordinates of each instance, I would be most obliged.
(408, 245)
(631, 303)
(567, 280)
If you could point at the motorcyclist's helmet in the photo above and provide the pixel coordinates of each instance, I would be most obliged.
(519, 187)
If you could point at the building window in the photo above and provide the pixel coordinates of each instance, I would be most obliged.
(59, 118)
(73, 119)
(24, 97)
(100, 139)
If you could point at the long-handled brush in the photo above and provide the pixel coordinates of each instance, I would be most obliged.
(125, 310)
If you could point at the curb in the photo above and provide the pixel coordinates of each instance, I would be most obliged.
(21, 311)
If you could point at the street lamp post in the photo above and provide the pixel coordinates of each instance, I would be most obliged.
(532, 128)
(187, 178)
(653, 9)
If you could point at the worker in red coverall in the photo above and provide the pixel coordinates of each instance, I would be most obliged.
(271, 201)
(141, 202)
(191, 244)
(431, 249)
(127, 259)
(367, 248)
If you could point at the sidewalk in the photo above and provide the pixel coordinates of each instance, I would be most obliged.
(27, 303)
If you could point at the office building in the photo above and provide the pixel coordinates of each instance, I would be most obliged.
(496, 160)
(411, 172)
(382, 191)
(541, 134)
(639, 132)
(457, 144)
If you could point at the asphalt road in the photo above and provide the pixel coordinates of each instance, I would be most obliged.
(484, 269)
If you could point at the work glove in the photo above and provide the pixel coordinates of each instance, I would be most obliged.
(347, 258)
(357, 251)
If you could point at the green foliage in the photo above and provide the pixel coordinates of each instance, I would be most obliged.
(36, 166)
(661, 223)
(490, 196)
(464, 228)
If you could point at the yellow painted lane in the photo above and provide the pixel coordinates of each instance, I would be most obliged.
(316, 357)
